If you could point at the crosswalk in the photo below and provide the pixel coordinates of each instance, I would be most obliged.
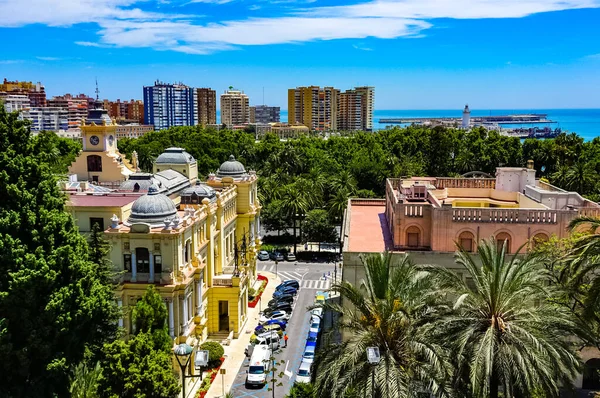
(316, 284)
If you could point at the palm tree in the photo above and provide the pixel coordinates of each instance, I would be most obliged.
(505, 332)
(580, 177)
(295, 205)
(344, 180)
(389, 310)
(337, 204)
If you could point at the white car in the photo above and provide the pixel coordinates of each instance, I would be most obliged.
(274, 315)
(303, 373)
(315, 325)
(309, 354)
(317, 311)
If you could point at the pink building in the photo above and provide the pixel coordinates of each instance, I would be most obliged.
(428, 216)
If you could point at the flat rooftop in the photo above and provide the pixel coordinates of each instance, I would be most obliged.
(368, 230)
(100, 200)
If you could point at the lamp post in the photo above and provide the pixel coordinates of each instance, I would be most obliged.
(276, 262)
(183, 352)
(374, 358)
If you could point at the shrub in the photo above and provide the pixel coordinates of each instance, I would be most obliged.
(251, 293)
(215, 352)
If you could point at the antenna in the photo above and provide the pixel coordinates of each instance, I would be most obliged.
(97, 91)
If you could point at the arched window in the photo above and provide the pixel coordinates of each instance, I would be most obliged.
(466, 240)
(194, 198)
(539, 239)
(591, 372)
(136, 187)
(503, 239)
(142, 257)
(413, 237)
(94, 163)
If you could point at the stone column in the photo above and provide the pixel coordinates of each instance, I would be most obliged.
(171, 318)
(185, 312)
(151, 278)
(120, 303)
(133, 267)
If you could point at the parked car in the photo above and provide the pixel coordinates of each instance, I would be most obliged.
(285, 290)
(303, 373)
(270, 315)
(259, 367)
(315, 325)
(263, 255)
(290, 282)
(311, 340)
(271, 339)
(317, 312)
(290, 256)
(309, 354)
(283, 306)
(276, 256)
(280, 322)
(284, 297)
(267, 328)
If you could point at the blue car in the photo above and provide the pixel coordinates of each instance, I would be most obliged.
(285, 290)
(281, 322)
(311, 340)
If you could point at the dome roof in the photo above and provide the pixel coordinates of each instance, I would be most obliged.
(231, 168)
(175, 156)
(141, 182)
(153, 208)
(200, 191)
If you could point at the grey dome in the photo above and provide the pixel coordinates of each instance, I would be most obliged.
(153, 208)
(195, 194)
(175, 156)
(141, 182)
(231, 168)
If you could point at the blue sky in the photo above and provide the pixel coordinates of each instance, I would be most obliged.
(419, 54)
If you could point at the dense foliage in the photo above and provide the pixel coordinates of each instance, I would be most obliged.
(142, 366)
(215, 352)
(56, 303)
(310, 172)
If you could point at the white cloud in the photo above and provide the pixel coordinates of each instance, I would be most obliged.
(48, 58)
(90, 44)
(362, 47)
(10, 61)
(124, 25)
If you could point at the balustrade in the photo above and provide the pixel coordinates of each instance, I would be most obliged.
(518, 216)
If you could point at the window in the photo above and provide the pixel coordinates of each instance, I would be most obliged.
(94, 163)
(187, 251)
(136, 187)
(97, 220)
(127, 262)
(142, 258)
(539, 239)
(158, 263)
(503, 240)
(465, 240)
(412, 237)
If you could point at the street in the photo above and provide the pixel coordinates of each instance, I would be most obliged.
(310, 276)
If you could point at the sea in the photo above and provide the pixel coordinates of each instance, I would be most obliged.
(584, 122)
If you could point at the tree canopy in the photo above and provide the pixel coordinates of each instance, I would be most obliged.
(55, 302)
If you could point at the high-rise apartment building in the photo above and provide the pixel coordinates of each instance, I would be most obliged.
(235, 108)
(76, 107)
(126, 111)
(313, 106)
(355, 109)
(35, 92)
(207, 106)
(167, 105)
(264, 114)
(47, 118)
(15, 103)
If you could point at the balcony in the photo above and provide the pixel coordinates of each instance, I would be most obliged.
(226, 279)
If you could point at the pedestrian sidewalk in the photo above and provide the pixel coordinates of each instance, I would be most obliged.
(234, 353)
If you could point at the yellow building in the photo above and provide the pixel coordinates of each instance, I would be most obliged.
(100, 160)
(314, 107)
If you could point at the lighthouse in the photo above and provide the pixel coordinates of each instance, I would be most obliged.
(466, 118)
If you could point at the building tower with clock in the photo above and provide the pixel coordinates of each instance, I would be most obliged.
(100, 161)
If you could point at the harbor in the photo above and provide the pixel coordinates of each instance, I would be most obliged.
(533, 118)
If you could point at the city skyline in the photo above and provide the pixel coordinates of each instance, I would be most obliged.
(438, 54)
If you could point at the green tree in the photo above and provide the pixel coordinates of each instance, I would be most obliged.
(84, 383)
(295, 205)
(316, 227)
(301, 390)
(581, 177)
(141, 366)
(54, 301)
(390, 310)
(506, 333)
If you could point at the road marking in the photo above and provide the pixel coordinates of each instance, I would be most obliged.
(319, 284)
(287, 372)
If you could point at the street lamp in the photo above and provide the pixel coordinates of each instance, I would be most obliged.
(276, 262)
(183, 352)
(374, 358)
